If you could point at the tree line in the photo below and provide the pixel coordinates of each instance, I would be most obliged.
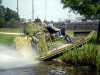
(6, 14)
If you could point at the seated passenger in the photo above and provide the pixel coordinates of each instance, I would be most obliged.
(63, 33)
(51, 27)
(44, 24)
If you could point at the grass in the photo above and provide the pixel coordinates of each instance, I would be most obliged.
(6, 39)
(93, 40)
(17, 30)
(13, 30)
(70, 32)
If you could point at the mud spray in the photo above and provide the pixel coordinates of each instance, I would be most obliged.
(23, 55)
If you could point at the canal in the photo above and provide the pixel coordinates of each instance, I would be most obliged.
(14, 62)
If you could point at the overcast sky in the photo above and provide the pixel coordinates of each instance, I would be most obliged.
(54, 9)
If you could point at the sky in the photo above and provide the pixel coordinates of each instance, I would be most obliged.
(53, 9)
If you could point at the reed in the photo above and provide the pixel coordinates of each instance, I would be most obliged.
(42, 43)
(87, 55)
(32, 28)
(98, 61)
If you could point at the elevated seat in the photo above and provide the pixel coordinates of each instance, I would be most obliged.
(52, 33)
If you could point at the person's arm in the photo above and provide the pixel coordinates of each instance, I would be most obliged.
(64, 32)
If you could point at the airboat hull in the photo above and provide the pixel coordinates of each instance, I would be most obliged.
(81, 37)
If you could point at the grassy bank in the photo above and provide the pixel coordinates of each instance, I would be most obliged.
(89, 54)
(6, 39)
(13, 30)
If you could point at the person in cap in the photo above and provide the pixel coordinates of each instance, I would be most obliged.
(63, 33)
(44, 23)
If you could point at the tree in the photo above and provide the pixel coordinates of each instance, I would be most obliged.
(1, 22)
(23, 20)
(37, 20)
(88, 8)
(9, 14)
(2, 10)
(6, 14)
(0, 1)
(12, 21)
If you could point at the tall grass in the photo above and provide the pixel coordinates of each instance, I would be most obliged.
(86, 55)
(32, 28)
(42, 44)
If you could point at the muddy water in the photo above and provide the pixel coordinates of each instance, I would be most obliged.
(49, 68)
(13, 63)
(26, 70)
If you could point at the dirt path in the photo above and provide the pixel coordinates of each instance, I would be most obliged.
(10, 33)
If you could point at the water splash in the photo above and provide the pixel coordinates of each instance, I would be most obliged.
(12, 58)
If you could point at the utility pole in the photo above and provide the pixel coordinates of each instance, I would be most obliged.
(17, 8)
(18, 15)
(45, 8)
(69, 16)
(33, 10)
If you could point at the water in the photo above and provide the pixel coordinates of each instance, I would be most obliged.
(26, 70)
(11, 58)
(13, 62)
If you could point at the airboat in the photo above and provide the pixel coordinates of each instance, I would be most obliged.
(46, 47)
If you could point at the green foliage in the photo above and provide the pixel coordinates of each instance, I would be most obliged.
(2, 16)
(42, 45)
(12, 20)
(7, 39)
(7, 13)
(98, 61)
(87, 55)
(88, 8)
(0, 1)
(32, 28)
(2, 10)
(1, 22)
(37, 20)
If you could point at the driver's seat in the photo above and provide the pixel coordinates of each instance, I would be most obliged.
(51, 31)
